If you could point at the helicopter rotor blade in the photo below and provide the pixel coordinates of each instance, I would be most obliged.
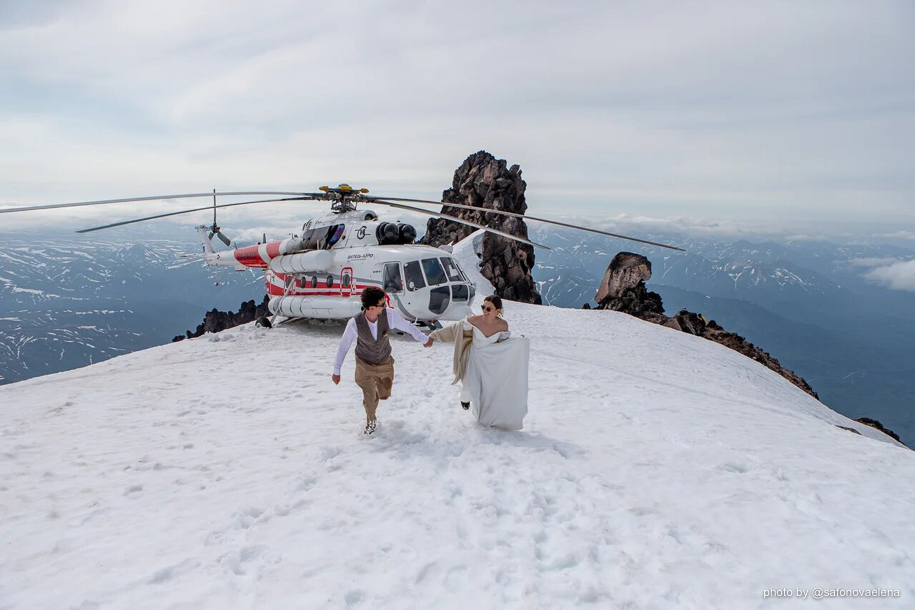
(525, 217)
(157, 198)
(209, 207)
(461, 221)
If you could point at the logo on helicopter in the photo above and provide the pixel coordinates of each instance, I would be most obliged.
(361, 233)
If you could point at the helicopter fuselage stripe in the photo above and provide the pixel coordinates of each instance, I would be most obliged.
(307, 292)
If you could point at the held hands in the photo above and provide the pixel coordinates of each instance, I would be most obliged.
(336, 379)
(429, 342)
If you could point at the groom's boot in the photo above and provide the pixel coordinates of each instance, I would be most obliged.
(465, 405)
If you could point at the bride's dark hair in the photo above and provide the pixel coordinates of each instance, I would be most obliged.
(496, 302)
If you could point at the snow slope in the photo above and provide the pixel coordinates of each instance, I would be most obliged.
(656, 470)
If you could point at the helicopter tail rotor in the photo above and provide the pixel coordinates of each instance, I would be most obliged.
(219, 234)
(214, 230)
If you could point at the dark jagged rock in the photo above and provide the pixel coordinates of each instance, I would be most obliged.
(623, 289)
(873, 423)
(216, 320)
(484, 182)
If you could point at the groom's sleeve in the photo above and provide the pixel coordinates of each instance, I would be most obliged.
(349, 335)
(395, 320)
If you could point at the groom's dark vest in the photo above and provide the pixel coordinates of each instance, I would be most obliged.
(369, 349)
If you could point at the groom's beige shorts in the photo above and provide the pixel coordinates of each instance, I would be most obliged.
(376, 381)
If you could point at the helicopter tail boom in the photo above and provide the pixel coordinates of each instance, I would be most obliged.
(207, 240)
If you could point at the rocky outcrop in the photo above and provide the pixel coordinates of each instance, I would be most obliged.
(485, 182)
(623, 289)
(215, 320)
(626, 271)
(873, 423)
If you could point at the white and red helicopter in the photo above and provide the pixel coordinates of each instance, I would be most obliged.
(320, 271)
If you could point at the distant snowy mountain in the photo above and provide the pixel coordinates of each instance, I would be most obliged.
(805, 302)
(739, 269)
(656, 470)
(67, 302)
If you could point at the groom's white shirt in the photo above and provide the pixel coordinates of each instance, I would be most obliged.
(395, 320)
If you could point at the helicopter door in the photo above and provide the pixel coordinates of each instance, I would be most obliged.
(346, 282)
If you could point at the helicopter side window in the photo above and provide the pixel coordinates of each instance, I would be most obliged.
(346, 281)
(330, 281)
(414, 276)
(314, 281)
(313, 238)
(325, 239)
(392, 279)
(334, 234)
(434, 272)
(451, 270)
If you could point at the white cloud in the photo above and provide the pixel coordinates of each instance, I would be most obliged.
(870, 263)
(899, 275)
(900, 235)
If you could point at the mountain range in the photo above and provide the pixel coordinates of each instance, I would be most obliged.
(805, 302)
(69, 301)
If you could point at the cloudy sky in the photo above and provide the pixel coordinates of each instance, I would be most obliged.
(798, 115)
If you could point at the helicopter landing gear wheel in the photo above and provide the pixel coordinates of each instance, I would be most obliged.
(264, 322)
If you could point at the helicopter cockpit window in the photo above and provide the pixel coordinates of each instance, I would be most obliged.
(392, 279)
(460, 292)
(451, 269)
(434, 272)
(459, 270)
(414, 275)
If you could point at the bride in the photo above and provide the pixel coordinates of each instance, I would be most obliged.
(491, 366)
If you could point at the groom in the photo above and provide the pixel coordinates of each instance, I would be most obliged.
(374, 364)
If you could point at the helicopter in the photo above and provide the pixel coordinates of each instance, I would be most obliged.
(320, 271)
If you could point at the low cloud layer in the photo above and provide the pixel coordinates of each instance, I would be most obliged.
(891, 272)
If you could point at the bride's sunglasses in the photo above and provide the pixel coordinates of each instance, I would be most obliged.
(485, 308)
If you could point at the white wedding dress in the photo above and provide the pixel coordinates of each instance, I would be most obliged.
(495, 379)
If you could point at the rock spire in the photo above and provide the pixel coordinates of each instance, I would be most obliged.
(487, 183)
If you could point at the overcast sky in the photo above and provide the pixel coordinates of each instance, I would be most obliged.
(769, 114)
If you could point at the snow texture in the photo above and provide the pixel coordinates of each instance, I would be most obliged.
(656, 470)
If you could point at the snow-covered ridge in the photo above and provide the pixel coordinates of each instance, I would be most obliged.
(656, 470)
